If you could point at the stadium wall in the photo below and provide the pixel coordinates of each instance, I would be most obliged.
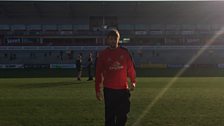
(144, 56)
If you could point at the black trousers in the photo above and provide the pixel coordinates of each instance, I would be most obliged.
(117, 106)
(90, 73)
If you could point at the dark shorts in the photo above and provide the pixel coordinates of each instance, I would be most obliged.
(117, 106)
(79, 69)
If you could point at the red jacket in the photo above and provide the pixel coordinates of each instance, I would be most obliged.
(113, 66)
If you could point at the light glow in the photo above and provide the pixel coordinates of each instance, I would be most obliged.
(174, 79)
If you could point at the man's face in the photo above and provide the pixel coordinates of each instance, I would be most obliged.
(112, 41)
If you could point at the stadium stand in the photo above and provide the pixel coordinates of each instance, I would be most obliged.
(158, 34)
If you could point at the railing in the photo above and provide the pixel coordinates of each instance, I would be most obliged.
(102, 47)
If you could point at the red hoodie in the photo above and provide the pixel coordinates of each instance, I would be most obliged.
(113, 66)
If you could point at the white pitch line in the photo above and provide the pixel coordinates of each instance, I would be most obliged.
(163, 91)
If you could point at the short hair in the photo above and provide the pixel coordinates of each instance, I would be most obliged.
(113, 33)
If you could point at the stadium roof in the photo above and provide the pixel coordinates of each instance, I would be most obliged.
(145, 11)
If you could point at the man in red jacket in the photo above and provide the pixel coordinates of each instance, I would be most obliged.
(114, 64)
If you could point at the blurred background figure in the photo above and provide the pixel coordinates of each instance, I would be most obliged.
(89, 66)
(79, 66)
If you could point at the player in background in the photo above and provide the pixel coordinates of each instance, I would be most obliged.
(89, 66)
(79, 66)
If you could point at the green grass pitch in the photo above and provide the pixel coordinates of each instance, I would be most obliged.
(190, 101)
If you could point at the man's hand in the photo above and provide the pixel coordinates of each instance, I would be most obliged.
(99, 96)
(132, 87)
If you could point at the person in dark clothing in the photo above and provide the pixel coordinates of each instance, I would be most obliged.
(79, 66)
(89, 66)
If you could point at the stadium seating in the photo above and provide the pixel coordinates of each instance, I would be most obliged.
(152, 44)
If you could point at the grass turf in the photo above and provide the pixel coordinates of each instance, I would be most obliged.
(191, 101)
(141, 72)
